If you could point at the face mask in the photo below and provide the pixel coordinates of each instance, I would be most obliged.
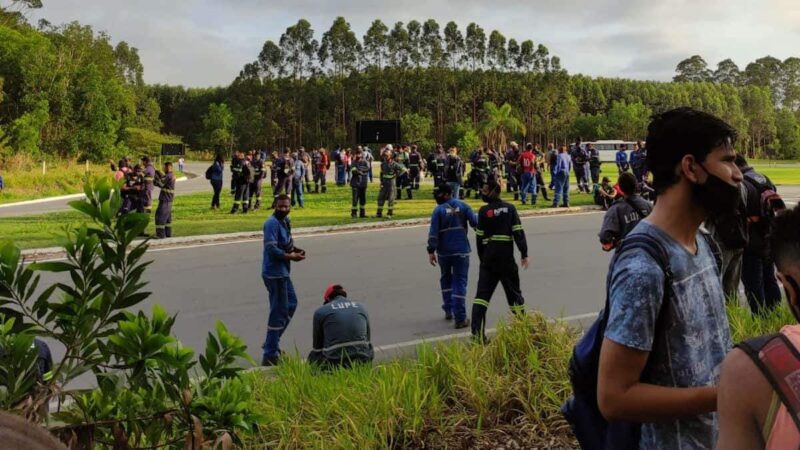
(439, 199)
(487, 198)
(716, 196)
(280, 215)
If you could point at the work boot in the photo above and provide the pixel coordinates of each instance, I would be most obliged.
(448, 316)
(408, 191)
(462, 324)
(362, 213)
(308, 187)
(316, 188)
(516, 195)
(399, 194)
(168, 232)
(389, 214)
(353, 213)
(258, 204)
(324, 189)
(379, 213)
(234, 209)
(159, 233)
(270, 361)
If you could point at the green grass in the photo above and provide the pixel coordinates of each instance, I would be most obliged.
(450, 393)
(780, 173)
(454, 395)
(61, 178)
(192, 215)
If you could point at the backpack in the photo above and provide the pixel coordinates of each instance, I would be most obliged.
(208, 171)
(761, 215)
(581, 410)
(778, 360)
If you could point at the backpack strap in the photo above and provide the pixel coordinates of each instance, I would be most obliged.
(716, 251)
(778, 360)
(656, 250)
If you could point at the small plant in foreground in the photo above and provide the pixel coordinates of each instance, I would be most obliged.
(151, 392)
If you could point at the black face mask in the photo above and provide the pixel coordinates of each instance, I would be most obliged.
(280, 215)
(439, 199)
(717, 196)
(796, 288)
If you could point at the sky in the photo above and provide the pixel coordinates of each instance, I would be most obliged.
(202, 43)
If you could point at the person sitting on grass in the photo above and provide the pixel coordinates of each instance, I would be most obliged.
(624, 214)
(752, 413)
(604, 194)
(341, 332)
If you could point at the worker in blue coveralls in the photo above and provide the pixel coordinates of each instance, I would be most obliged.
(448, 238)
(279, 252)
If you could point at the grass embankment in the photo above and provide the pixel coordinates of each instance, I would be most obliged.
(24, 179)
(192, 216)
(455, 395)
(781, 174)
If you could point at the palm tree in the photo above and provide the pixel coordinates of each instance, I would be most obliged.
(499, 124)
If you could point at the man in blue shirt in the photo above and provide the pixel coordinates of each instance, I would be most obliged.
(279, 251)
(665, 342)
(622, 160)
(561, 171)
(448, 238)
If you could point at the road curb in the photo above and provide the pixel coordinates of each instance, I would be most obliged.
(60, 197)
(38, 254)
(409, 349)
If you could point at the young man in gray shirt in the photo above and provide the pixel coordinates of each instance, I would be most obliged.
(664, 345)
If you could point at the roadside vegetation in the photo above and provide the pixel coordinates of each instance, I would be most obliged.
(454, 395)
(192, 214)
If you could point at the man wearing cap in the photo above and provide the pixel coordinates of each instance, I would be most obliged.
(279, 251)
(341, 331)
(449, 240)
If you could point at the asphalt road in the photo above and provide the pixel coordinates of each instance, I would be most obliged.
(387, 270)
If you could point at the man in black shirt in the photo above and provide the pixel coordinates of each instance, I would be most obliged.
(624, 214)
(499, 227)
(359, 174)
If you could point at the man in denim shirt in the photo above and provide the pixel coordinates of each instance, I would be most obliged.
(279, 251)
(664, 345)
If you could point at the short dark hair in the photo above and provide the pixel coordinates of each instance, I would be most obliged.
(282, 198)
(627, 182)
(168, 164)
(784, 239)
(444, 189)
(740, 160)
(679, 132)
(145, 159)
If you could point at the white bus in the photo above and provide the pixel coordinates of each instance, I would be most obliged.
(608, 149)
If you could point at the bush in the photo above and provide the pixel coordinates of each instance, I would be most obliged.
(151, 391)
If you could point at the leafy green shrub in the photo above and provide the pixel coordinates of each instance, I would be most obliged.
(151, 391)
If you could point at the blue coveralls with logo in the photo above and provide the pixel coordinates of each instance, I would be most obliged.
(448, 238)
(275, 271)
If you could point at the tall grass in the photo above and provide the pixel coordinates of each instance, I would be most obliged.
(745, 325)
(24, 179)
(451, 393)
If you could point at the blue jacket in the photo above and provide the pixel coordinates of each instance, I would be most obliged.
(277, 243)
(216, 171)
(448, 232)
(563, 164)
(622, 158)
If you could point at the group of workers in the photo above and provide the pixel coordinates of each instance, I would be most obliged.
(137, 191)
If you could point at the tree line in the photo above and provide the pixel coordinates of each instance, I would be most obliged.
(437, 80)
(66, 91)
(445, 83)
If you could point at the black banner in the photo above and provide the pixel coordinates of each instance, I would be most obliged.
(378, 132)
(173, 149)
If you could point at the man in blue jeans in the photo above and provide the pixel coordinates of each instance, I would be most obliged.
(448, 238)
(561, 171)
(279, 251)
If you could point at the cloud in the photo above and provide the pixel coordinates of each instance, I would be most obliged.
(206, 42)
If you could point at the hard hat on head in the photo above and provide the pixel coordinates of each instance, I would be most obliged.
(389, 148)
